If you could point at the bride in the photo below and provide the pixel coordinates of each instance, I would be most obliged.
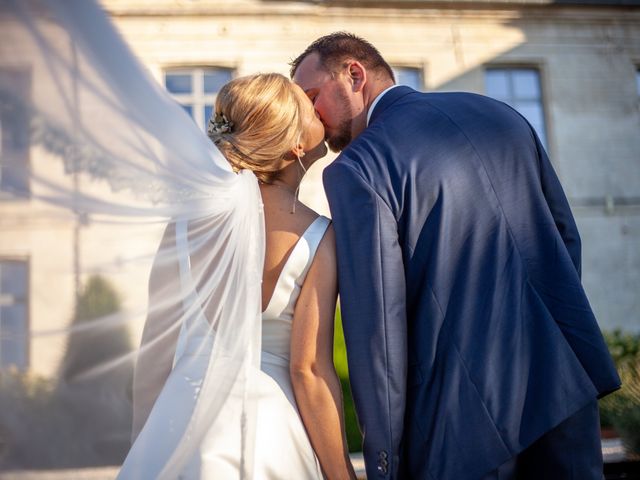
(266, 124)
(234, 374)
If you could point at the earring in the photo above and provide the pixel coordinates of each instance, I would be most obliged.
(304, 171)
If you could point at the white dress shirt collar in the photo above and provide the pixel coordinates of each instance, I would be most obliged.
(375, 102)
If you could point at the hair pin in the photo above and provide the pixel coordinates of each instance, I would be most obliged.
(219, 124)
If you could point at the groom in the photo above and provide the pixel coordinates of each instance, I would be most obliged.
(473, 351)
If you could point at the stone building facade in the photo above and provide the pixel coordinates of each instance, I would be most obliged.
(571, 67)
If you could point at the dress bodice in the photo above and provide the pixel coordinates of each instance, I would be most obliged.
(278, 315)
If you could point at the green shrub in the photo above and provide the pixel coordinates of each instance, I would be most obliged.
(354, 437)
(621, 409)
(26, 419)
(624, 347)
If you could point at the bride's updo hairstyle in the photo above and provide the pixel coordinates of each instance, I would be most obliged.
(257, 120)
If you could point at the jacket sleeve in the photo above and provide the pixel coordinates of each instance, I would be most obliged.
(372, 298)
(559, 206)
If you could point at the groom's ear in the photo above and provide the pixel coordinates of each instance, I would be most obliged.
(357, 75)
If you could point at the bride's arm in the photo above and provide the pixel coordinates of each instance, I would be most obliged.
(159, 336)
(315, 382)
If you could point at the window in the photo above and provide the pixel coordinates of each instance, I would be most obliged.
(14, 134)
(520, 88)
(195, 89)
(409, 76)
(14, 294)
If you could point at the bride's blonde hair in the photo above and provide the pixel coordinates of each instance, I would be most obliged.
(256, 122)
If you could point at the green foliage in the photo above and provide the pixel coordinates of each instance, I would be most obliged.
(621, 410)
(624, 347)
(339, 348)
(354, 437)
(24, 399)
(45, 426)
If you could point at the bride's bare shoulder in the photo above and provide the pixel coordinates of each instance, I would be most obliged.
(307, 214)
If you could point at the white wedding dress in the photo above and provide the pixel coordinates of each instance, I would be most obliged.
(282, 448)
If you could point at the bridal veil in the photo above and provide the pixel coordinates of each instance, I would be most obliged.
(112, 165)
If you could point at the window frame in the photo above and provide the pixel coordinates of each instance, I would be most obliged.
(539, 66)
(420, 68)
(25, 85)
(197, 98)
(27, 320)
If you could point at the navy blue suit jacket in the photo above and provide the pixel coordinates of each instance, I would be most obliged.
(468, 332)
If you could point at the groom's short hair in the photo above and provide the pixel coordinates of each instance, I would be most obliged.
(334, 49)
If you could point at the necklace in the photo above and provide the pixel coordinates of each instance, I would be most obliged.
(297, 190)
